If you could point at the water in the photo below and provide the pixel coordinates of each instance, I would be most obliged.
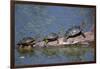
(37, 21)
(53, 55)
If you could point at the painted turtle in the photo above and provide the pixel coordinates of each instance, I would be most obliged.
(28, 41)
(73, 32)
(51, 37)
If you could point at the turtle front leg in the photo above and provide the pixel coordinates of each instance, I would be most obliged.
(65, 39)
(83, 34)
(46, 42)
(33, 44)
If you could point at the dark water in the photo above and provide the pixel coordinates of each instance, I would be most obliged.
(51, 55)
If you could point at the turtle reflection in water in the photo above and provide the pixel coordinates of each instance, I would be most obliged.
(26, 44)
(51, 37)
(73, 32)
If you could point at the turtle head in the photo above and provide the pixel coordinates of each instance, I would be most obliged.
(45, 40)
(83, 25)
(66, 34)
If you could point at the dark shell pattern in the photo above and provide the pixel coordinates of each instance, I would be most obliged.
(26, 40)
(52, 36)
(73, 31)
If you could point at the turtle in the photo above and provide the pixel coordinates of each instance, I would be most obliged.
(27, 41)
(73, 32)
(51, 37)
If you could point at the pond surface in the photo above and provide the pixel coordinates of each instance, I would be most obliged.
(51, 55)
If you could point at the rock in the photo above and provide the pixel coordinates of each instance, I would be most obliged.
(53, 43)
(79, 39)
(39, 44)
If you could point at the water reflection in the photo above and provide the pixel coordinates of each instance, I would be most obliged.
(51, 55)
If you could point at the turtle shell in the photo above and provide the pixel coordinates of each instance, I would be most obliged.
(73, 31)
(52, 36)
(26, 41)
